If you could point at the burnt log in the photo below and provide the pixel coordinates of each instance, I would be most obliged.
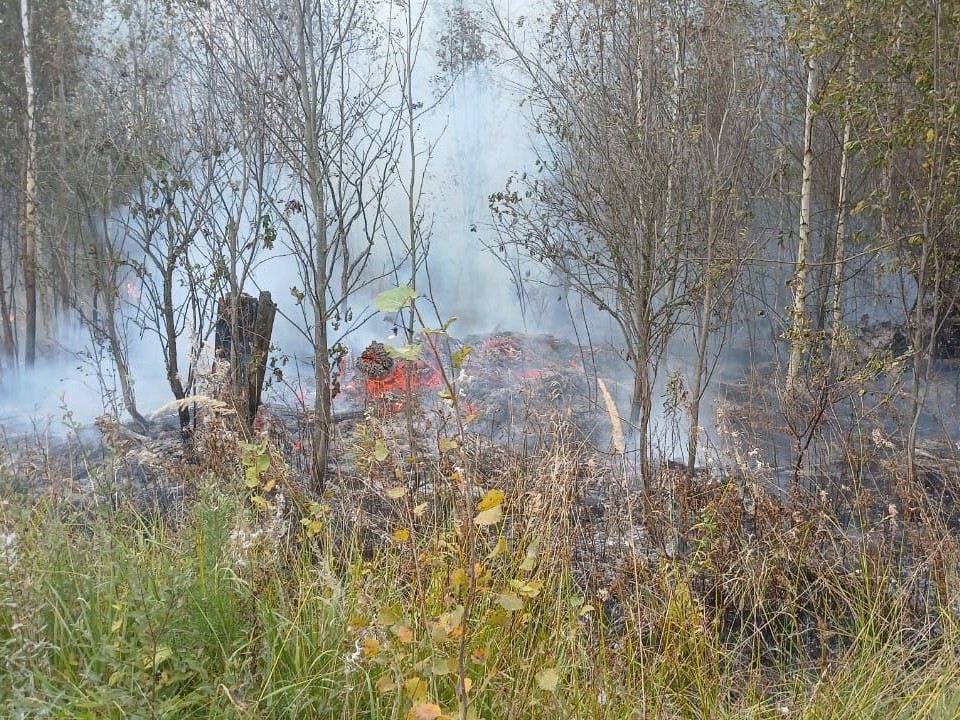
(245, 346)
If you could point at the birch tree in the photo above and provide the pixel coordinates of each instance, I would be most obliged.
(799, 325)
(29, 221)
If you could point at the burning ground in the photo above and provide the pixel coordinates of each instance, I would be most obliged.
(762, 568)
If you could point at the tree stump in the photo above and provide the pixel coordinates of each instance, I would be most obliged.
(247, 353)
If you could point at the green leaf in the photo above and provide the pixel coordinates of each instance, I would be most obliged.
(380, 450)
(394, 300)
(461, 355)
(162, 654)
(509, 601)
(409, 352)
(441, 330)
(390, 615)
(263, 463)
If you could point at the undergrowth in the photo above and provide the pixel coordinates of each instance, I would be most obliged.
(249, 604)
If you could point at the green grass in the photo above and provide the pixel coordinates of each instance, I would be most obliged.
(110, 615)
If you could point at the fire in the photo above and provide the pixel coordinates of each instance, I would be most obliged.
(396, 382)
(503, 346)
(131, 290)
(385, 379)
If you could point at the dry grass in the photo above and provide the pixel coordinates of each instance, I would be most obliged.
(579, 597)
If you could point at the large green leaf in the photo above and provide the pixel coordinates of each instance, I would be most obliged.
(408, 352)
(394, 300)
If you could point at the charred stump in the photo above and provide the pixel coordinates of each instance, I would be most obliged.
(247, 352)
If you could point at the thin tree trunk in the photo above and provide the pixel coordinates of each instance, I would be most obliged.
(702, 343)
(170, 330)
(644, 236)
(316, 176)
(412, 230)
(838, 250)
(323, 403)
(123, 372)
(799, 316)
(9, 346)
(29, 195)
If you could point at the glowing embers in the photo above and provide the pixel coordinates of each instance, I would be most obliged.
(501, 347)
(388, 380)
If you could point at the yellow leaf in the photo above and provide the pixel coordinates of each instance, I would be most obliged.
(371, 646)
(498, 618)
(437, 632)
(489, 517)
(401, 535)
(530, 557)
(527, 589)
(491, 499)
(425, 711)
(467, 684)
(451, 621)
(390, 615)
(357, 622)
(458, 577)
(931, 135)
(547, 679)
(259, 502)
(416, 688)
(420, 509)
(404, 634)
(162, 654)
(385, 684)
(499, 549)
(395, 493)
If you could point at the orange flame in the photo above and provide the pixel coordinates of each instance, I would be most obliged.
(421, 376)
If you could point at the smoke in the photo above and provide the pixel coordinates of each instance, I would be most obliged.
(471, 141)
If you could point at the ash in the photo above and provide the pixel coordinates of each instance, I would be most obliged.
(535, 428)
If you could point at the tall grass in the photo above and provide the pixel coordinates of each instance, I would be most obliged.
(238, 610)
